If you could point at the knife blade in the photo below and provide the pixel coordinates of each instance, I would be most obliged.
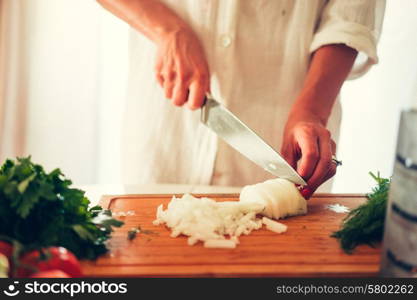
(238, 135)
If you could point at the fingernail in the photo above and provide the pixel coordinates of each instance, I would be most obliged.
(192, 106)
(306, 193)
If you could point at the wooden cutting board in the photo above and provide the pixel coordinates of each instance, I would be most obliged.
(305, 250)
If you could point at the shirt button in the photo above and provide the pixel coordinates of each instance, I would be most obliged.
(226, 40)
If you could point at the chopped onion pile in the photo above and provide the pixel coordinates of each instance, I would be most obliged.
(203, 219)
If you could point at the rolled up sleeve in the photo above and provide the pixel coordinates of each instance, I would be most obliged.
(355, 23)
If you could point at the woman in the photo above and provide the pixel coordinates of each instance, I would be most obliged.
(278, 65)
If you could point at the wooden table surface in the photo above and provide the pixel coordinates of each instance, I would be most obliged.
(305, 250)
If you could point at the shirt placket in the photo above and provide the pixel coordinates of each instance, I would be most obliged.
(224, 41)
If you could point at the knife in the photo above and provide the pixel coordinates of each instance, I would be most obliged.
(238, 135)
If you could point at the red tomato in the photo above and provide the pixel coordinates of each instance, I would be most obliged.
(50, 274)
(6, 249)
(58, 258)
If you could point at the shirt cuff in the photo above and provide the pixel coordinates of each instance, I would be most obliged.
(353, 35)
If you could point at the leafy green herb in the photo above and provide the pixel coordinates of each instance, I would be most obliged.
(365, 224)
(38, 210)
(131, 234)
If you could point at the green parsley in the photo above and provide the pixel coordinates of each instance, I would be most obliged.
(39, 209)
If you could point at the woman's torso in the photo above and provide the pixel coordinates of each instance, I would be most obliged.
(258, 55)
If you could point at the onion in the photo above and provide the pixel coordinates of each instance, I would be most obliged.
(219, 244)
(219, 224)
(203, 219)
(280, 198)
(274, 226)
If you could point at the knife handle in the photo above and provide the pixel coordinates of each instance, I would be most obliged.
(207, 98)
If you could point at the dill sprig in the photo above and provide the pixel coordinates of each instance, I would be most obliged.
(365, 224)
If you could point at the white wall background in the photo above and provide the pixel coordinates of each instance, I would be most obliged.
(372, 104)
(77, 74)
(77, 55)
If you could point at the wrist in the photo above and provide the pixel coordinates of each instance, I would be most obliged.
(167, 31)
(300, 113)
(315, 106)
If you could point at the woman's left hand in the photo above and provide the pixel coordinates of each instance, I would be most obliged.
(305, 136)
(307, 140)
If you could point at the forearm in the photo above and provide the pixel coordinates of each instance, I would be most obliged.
(329, 67)
(150, 17)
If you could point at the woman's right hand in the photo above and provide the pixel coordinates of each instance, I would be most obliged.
(182, 69)
(181, 65)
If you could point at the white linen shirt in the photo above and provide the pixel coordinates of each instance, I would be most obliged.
(258, 53)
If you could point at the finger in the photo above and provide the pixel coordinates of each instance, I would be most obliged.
(333, 146)
(325, 167)
(168, 88)
(180, 93)
(307, 141)
(160, 79)
(333, 167)
(197, 93)
(169, 83)
(307, 192)
(332, 171)
(158, 72)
